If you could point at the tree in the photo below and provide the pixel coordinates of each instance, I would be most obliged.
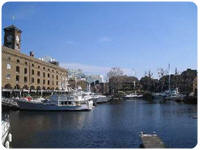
(114, 72)
(161, 72)
(176, 71)
(150, 74)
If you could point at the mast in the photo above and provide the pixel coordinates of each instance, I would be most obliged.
(169, 78)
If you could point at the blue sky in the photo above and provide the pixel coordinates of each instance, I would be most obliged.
(136, 37)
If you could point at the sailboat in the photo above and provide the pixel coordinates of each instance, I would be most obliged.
(173, 94)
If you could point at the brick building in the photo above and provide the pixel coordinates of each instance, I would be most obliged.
(23, 72)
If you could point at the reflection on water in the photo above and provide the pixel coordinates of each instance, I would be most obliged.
(107, 126)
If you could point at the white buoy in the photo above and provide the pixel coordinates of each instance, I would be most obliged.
(10, 137)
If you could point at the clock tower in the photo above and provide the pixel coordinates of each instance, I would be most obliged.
(12, 37)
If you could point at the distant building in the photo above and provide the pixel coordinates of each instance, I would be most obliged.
(101, 88)
(23, 72)
(76, 73)
(93, 78)
(123, 83)
(195, 86)
(74, 84)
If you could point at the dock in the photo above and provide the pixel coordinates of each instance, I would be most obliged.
(151, 141)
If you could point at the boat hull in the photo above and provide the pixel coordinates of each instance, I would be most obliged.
(50, 107)
(102, 99)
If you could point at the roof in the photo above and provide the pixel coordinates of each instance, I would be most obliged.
(12, 27)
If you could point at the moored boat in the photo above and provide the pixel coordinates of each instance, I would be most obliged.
(57, 102)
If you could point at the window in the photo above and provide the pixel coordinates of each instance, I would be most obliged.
(43, 81)
(52, 76)
(32, 65)
(25, 79)
(56, 82)
(8, 59)
(38, 73)
(57, 77)
(17, 78)
(32, 72)
(52, 70)
(8, 66)
(25, 70)
(44, 74)
(43, 68)
(8, 76)
(38, 67)
(17, 69)
(18, 61)
(48, 75)
(52, 82)
(32, 80)
(48, 69)
(26, 63)
(48, 82)
(38, 81)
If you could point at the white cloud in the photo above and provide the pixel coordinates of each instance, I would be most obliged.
(105, 39)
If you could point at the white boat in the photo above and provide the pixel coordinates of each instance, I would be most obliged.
(97, 98)
(133, 96)
(101, 98)
(174, 95)
(74, 101)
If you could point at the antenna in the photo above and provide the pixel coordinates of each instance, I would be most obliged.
(169, 78)
(13, 19)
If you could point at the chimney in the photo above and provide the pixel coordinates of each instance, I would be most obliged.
(31, 54)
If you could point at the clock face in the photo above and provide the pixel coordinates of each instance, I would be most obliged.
(9, 38)
(17, 39)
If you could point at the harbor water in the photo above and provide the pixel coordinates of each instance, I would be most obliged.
(108, 125)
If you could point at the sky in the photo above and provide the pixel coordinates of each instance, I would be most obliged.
(137, 37)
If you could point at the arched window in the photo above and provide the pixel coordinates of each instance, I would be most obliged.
(25, 87)
(32, 88)
(17, 69)
(17, 78)
(25, 79)
(38, 81)
(8, 86)
(25, 70)
(17, 87)
(32, 80)
(8, 59)
(32, 72)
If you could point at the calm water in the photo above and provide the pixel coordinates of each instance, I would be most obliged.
(107, 126)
